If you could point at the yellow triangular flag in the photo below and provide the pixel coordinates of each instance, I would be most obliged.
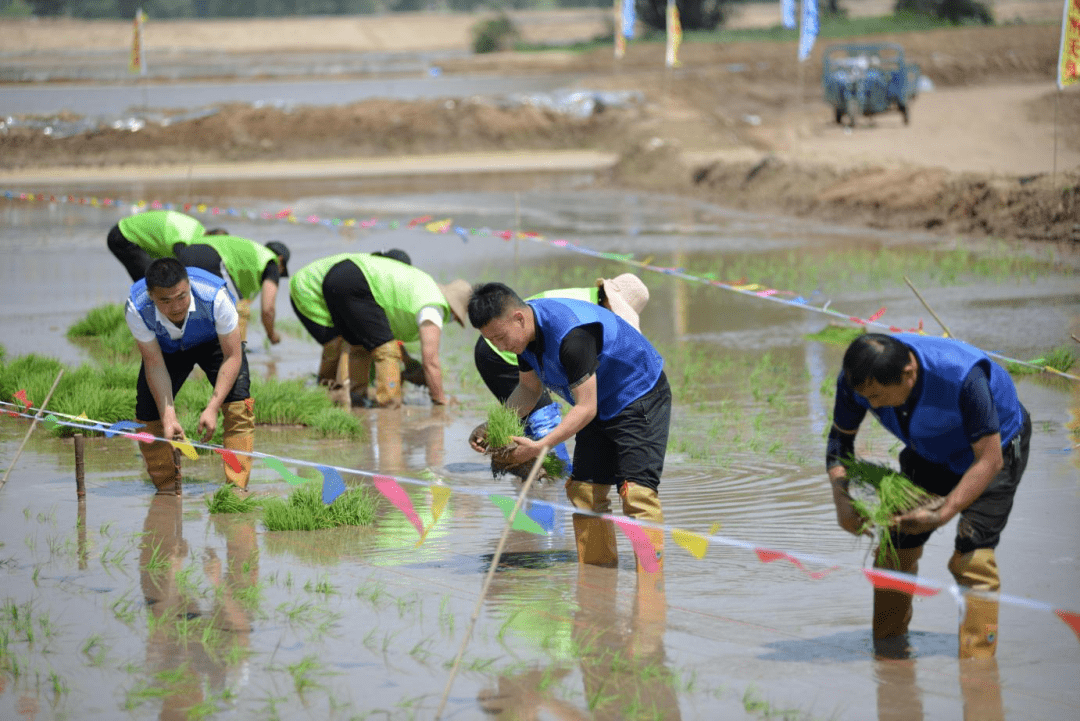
(186, 448)
(439, 497)
(693, 542)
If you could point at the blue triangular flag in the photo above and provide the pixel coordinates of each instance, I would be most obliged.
(543, 513)
(332, 485)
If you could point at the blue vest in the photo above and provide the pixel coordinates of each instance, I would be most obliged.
(200, 327)
(936, 428)
(629, 365)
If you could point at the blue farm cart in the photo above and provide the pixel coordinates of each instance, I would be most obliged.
(863, 80)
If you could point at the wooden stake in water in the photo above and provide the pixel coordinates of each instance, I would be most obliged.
(30, 430)
(537, 464)
(80, 466)
(927, 306)
(179, 476)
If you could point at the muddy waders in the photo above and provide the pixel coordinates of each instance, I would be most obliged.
(978, 571)
(159, 458)
(892, 609)
(238, 434)
(387, 358)
(595, 536)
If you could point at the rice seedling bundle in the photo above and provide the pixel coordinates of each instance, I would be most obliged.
(883, 494)
(304, 509)
(225, 500)
(502, 425)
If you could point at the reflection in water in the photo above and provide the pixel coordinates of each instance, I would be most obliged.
(397, 430)
(190, 651)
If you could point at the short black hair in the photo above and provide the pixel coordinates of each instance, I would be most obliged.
(489, 301)
(216, 231)
(165, 273)
(875, 356)
(395, 254)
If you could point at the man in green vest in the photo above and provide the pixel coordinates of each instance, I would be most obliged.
(247, 268)
(139, 239)
(372, 302)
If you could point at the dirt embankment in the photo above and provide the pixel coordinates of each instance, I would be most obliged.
(735, 125)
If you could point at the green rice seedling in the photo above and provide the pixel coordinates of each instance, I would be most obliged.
(59, 685)
(304, 510)
(94, 649)
(302, 673)
(225, 500)
(322, 586)
(503, 424)
(104, 332)
(884, 494)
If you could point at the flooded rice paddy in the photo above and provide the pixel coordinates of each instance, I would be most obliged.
(130, 605)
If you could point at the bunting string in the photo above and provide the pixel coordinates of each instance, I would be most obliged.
(539, 516)
(443, 226)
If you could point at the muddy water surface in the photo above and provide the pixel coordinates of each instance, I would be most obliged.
(148, 607)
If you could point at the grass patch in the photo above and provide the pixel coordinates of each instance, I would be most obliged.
(882, 494)
(107, 393)
(225, 500)
(105, 334)
(1061, 359)
(836, 334)
(304, 510)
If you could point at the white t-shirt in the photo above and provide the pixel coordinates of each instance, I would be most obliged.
(225, 319)
(432, 313)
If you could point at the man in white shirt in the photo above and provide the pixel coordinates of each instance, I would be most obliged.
(183, 317)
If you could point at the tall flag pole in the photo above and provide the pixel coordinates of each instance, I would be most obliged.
(674, 34)
(620, 41)
(1069, 57)
(136, 64)
(787, 10)
(809, 30)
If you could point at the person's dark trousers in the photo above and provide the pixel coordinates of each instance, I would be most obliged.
(500, 377)
(134, 258)
(207, 356)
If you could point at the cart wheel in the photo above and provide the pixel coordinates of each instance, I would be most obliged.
(904, 113)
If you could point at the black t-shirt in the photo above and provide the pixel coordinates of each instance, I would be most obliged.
(579, 353)
(977, 410)
(272, 273)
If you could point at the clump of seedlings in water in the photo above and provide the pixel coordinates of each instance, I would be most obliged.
(883, 494)
(304, 509)
(502, 425)
(1061, 359)
(225, 500)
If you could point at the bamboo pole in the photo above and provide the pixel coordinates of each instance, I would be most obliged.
(179, 477)
(927, 306)
(37, 416)
(80, 466)
(537, 464)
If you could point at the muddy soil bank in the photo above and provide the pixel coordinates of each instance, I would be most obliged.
(735, 125)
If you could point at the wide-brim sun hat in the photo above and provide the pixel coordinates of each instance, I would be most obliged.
(626, 296)
(457, 294)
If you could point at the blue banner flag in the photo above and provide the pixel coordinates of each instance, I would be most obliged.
(787, 10)
(809, 30)
(629, 18)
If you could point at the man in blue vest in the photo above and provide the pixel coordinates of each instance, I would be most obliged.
(966, 436)
(620, 405)
(183, 317)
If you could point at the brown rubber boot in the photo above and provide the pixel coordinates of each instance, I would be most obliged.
(339, 386)
(238, 434)
(243, 313)
(643, 503)
(595, 536)
(159, 458)
(979, 629)
(359, 373)
(892, 609)
(328, 363)
(387, 359)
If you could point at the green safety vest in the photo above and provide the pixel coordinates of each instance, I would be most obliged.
(245, 260)
(156, 231)
(591, 295)
(401, 290)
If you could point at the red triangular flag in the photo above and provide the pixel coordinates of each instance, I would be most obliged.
(898, 582)
(230, 459)
(1073, 619)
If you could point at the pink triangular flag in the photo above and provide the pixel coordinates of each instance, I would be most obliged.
(643, 547)
(397, 495)
(1073, 619)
